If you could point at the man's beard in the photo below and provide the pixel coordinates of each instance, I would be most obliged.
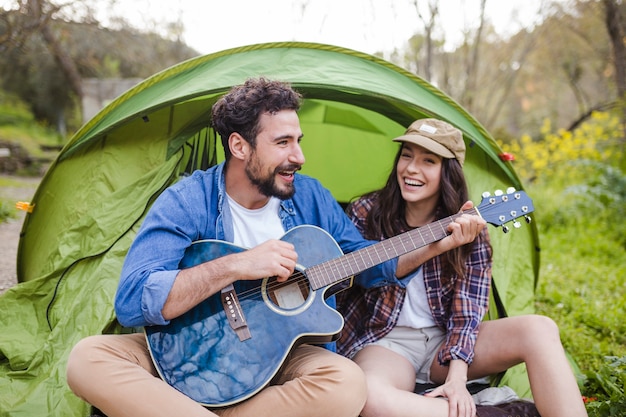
(267, 185)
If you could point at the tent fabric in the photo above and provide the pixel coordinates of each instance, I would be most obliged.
(94, 196)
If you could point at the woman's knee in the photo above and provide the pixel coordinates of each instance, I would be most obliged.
(537, 333)
(542, 327)
(351, 385)
(377, 403)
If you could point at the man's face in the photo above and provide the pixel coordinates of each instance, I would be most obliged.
(277, 156)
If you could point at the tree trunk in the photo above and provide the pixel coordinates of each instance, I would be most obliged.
(472, 65)
(429, 25)
(65, 61)
(617, 34)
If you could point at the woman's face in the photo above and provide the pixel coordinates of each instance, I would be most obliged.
(419, 175)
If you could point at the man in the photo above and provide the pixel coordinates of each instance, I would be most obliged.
(250, 200)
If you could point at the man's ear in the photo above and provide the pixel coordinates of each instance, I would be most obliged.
(239, 147)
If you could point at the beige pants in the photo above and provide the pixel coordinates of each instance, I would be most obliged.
(115, 374)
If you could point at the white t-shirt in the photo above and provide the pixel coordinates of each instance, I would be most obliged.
(415, 311)
(253, 227)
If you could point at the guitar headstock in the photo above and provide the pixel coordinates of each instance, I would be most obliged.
(501, 208)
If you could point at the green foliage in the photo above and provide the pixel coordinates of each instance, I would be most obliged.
(5, 211)
(8, 195)
(582, 283)
(18, 125)
(580, 198)
(597, 140)
(608, 387)
(30, 70)
(605, 193)
(13, 111)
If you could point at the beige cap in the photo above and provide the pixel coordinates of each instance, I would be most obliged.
(437, 136)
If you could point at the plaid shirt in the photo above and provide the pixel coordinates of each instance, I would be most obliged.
(371, 310)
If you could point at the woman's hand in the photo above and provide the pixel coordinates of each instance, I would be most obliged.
(464, 229)
(460, 401)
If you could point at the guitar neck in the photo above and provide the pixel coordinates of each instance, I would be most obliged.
(335, 270)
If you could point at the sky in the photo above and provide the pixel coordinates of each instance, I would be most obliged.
(365, 25)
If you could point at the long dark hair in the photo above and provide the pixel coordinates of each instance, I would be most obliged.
(387, 217)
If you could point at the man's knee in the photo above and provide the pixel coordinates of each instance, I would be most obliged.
(79, 363)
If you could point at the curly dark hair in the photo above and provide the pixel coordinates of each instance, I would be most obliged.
(240, 109)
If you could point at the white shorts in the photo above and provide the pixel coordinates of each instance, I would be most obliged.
(418, 346)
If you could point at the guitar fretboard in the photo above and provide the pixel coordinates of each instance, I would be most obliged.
(358, 261)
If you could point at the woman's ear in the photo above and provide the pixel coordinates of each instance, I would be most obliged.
(239, 147)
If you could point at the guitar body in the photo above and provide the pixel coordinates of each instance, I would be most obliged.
(220, 359)
(200, 354)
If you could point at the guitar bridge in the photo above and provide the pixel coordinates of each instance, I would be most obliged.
(234, 313)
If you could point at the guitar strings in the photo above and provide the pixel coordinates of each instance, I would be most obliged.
(302, 280)
(296, 278)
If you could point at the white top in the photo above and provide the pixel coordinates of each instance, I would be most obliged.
(415, 311)
(253, 227)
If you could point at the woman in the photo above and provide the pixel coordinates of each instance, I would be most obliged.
(429, 325)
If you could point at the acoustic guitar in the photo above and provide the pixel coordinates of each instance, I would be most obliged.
(230, 346)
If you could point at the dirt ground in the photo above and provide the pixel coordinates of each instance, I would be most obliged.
(10, 230)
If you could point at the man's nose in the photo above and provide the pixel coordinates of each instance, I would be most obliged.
(297, 156)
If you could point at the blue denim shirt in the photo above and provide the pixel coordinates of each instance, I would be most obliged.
(195, 208)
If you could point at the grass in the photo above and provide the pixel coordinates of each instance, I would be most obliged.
(582, 281)
(7, 205)
(18, 126)
(6, 211)
(13, 182)
(583, 264)
(582, 287)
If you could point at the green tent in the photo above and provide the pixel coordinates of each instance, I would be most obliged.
(93, 198)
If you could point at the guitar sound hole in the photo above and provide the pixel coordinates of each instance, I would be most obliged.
(290, 294)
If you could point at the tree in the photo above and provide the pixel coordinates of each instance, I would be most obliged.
(473, 59)
(49, 49)
(429, 25)
(558, 67)
(34, 17)
(36, 12)
(616, 28)
(565, 75)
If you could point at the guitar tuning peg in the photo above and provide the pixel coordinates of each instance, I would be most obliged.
(528, 219)
(517, 224)
(498, 193)
(486, 194)
(505, 229)
(510, 190)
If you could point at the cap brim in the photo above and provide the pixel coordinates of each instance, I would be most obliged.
(426, 143)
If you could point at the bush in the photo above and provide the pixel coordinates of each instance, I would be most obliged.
(606, 389)
(599, 139)
(31, 145)
(579, 193)
(6, 212)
